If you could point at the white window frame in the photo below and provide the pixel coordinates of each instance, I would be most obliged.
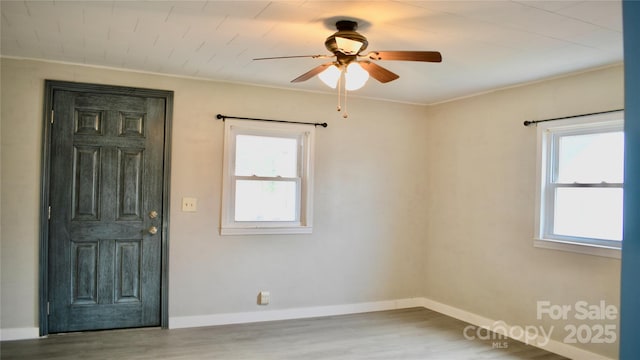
(548, 134)
(305, 136)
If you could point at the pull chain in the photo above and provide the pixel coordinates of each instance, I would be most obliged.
(342, 82)
(339, 90)
(346, 114)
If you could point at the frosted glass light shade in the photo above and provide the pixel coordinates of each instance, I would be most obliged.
(355, 77)
(348, 46)
(330, 76)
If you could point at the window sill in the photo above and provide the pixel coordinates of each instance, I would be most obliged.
(265, 230)
(578, 248)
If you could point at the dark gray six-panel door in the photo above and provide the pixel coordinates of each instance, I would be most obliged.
(106, 194)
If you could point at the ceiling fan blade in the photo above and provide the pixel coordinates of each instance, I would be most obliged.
(378, 72)
(428, 56)
(311, 73)
(296, 56)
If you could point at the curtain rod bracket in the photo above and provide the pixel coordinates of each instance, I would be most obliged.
(224, 117)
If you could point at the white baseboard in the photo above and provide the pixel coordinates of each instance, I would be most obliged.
(287, 314)
(19, 333)
(178, 322)
(551, 345)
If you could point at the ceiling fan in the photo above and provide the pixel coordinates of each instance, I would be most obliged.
(347, 46)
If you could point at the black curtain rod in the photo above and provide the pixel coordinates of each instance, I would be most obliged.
(533, 122)
(224, 117)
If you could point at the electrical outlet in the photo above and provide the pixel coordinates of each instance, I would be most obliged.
(263, 298)
(189, 204)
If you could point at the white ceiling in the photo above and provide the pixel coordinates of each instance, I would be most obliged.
(485, 44)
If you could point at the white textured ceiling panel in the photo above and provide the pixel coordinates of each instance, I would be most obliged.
(485, 44)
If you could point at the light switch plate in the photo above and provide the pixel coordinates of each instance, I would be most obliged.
(189, 204)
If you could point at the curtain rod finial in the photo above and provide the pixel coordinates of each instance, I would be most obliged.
(220, 116)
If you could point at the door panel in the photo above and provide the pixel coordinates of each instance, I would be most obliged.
(130, 169)
(84, 273)
(128, 271)
(86, 175)
(106, 174)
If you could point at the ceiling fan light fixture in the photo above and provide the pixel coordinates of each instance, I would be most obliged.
(355, 76)
(346, 40)
(347, 72)
(330, 76)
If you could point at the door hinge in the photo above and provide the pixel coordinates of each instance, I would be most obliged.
(52, 112)
(49, 213)
(48, 308)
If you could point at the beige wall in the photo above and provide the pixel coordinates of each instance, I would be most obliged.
(479, 253)
(366, 232)
(410, 201)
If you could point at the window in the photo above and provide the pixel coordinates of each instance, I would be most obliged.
(580, 184)
(267, 178)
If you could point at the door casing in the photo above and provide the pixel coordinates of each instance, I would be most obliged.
(50, 87)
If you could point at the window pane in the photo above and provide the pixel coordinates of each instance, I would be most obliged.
(266, 156)
(258, 200)
(591, 158)
(589, 212)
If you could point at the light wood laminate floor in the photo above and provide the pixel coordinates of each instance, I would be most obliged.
(415, 333)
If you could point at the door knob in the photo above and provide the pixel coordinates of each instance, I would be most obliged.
(153, 230)
(153, 214)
